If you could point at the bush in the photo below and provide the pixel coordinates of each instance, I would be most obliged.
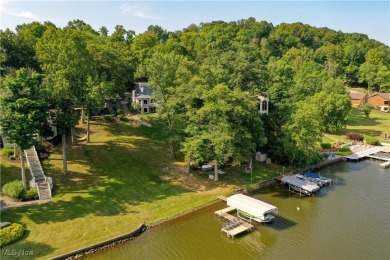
(9, 152)
(11, 234)
(326, 145)
(31, 194)
(122, 118)
(13, 189)
(355, 137)
(372, 140)
(344, 151)
(108, 119)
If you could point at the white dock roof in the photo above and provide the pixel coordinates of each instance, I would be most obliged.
(250, 205)
(304, 184)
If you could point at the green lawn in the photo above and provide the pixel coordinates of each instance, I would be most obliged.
(377, 125)
(123, 178)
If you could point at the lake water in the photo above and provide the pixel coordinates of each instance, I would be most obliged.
(348, 220)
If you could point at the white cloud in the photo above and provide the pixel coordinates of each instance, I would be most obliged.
(22, 14)
(26, 14)
(137, 10)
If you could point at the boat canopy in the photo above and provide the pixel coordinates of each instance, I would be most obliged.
(301, 183)
(251, 205)
(312, 174)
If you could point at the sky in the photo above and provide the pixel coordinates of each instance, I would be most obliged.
(368, 17)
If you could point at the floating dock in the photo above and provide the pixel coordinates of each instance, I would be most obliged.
(235, 226)
(364, 153)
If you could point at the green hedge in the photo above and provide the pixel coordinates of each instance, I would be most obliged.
(11, 234)
(8, 152)
(13, 189)
(326, 145)
(372, 140)
(31, 194)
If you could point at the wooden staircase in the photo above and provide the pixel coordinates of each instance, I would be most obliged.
(43, 186)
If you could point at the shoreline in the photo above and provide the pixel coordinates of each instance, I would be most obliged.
(104, 245)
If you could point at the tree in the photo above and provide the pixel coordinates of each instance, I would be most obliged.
(367, 110)
(96, 91)
(161, 69)
(303, 132)
(23, 111)
(376, 69)
(67, 65)
(227, 125)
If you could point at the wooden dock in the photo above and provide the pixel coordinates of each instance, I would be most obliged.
(235, 226)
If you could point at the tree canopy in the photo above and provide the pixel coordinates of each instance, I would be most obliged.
(205, 78)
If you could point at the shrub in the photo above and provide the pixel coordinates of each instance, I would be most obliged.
(13, 189)
(355, 137)
(9, 152)
(372, 140)
(108, 119)
(122, 118)
(326, 145)
(344, 151)
(11, 234)
(31, 194)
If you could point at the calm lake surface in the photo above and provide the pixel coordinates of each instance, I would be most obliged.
(348, 220)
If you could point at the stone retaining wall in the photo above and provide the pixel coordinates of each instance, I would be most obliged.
(102, 245)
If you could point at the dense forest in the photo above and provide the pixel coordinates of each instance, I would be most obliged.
(204, 77)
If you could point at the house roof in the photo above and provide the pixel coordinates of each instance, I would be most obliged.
(384, 95)
(143, 91)
(356, 95)
(262, 98)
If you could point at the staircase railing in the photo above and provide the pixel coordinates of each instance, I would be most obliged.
(37, 167)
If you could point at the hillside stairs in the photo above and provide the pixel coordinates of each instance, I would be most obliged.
(43, 186)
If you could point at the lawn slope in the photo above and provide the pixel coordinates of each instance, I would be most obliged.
(123, 178)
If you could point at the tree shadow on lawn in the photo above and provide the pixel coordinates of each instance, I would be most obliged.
(117, 178)
(357, 118)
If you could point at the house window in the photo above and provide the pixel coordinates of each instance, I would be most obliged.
(145, 110)
(386, 102)
(145, 101)
(386, 108)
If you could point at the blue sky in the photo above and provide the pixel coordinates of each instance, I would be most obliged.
(368, 17)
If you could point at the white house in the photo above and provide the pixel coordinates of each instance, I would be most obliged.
(263, 104)
(142, 95)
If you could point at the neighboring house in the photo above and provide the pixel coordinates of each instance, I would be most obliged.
(358, 98)
(142, 95)
(381, 101)
(262, 104)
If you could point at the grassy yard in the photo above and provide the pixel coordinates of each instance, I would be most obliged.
(12, 168)
(124, 177)
(376, 126)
